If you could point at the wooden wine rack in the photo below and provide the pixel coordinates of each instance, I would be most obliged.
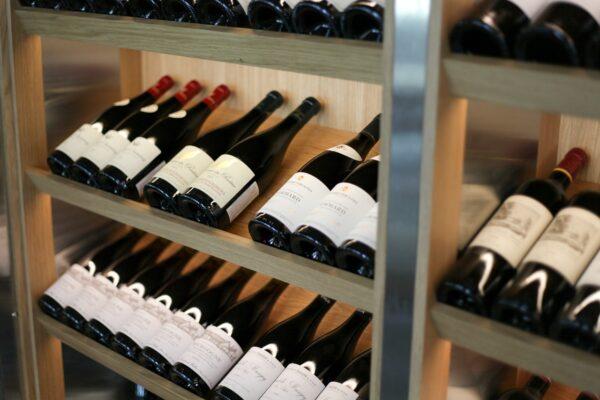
(412, 334)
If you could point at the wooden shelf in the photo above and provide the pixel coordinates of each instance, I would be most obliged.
(534, 353)
(331, 57)
(121, 365)
(533, 86)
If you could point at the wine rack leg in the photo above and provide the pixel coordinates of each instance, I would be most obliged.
(29, 211)
(130, 72)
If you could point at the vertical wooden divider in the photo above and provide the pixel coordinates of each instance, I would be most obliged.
(130, 72)
(29, 211)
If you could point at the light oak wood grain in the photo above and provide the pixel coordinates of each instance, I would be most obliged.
(584, 133)
(130, 72)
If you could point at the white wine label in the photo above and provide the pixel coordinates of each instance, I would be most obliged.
(591, 276)
(337, 391)
(78, 142)
(212, 355)
(366, 229)
(347, 151)
(591, 6)
(569, 243)
(296, 198)
(340, 211)
(296, 382)
(143, 181)
(514, 228)
(121, 103)
(93, 296)
(152, 108)
(145, 322)
(177, 334)
(136, 156)
(252, 376)
(224, 179)
(69, 284)
(242, 201)
(120, 306)
(178, 114)
(244, 4)
(531, 8)
(185, 167)
(109, 145)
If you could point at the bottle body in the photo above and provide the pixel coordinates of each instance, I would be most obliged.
(271, 15)
(354, 378)
(222, 12)
(357, 252)
(147, 9)
(317, 17)
(363, 20)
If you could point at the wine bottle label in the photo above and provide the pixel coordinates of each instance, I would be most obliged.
(242, 201)
(347, 151)
(185, 167)
(514, 228)
(591, 276)
(591, 6)
(122, 103)
(340, 211)
(337, 391)
(69, 284)
(212, 355)
(569, 243)
(152, 108)
(296, 382)
(109, 145)
(135, 157)
(147, 320)
(78, 142)
(177, 334)
(296, 198)
(252, 376)
(366, 229)
(93, 296)
(120, 306)
(531, 8)
(244, 4)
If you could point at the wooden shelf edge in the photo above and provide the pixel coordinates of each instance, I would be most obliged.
(326, 280)
(512, 346)
(114, 361)
(548, 88)
(281, 51)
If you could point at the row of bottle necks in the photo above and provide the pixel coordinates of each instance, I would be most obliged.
(179, 323)
(536, 263)
(327, 211)
(537, 388)
(359, 19)
(565, 32)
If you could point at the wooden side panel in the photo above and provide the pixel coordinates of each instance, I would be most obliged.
(130, 72)
(584, 133)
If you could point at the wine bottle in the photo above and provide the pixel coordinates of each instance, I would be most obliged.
(320, 362)
(535, 389)
(352, 380)
(129, 171)
(578, 324)
(365, 392)
(147, 9)
(267, 358)
(209, 358)
(357, 252)
(491, 259)
(179, 10)
(111, 7)
(318, 17)
(192, 160)
(96, 157)
(222, 12)
(60, 294)
(130, 296)
(51, 4)
(363, 20)
(236, 178)
(271, 15)
(587, 396)
(81, 6)
(89, 134)
(560, 34)
(189, 323)
(284, 212)
(328, 224)
(592, 51)
(93, 296)
(492, 29)
(546, 278)
(157, 309)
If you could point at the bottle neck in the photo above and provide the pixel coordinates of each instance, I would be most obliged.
(562, 177)
(362, 143)
(247, 125)
(287, 129)
(169, 105)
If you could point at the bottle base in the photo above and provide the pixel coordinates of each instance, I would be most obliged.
(160, 194)
(473, 36)
(185, 377)
(224, 393)
(154, 361)
(125, 346)
(83, 171)
(268, 230)
(74, 319)
(99, 332)
(312, 244)
(356, 257)
(59, 162)
(50, 306)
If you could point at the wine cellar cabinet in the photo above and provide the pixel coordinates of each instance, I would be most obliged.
(423, 92)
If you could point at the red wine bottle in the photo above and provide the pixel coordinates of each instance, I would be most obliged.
(189, 323)
(222, 12)
(491, 259)
(237, 177)
(93, 296)
(267, 358)
(318, 364)
(179, 11)
(89, 134)
(492, 29)
(129, 171)
(284, 212)
(179, 173)
(363, 20)
(81, 6)
(51, 4)
(351, 380)
(328, 224)
(578, 324)
(271, 15)
(130, 296)
(111, 7)
(208, 359)
(147, 9)
(96, 157)
(546, 279)
(59, 295)
(357, 252)
(560, 34)
(535, 389)
(317, 17)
